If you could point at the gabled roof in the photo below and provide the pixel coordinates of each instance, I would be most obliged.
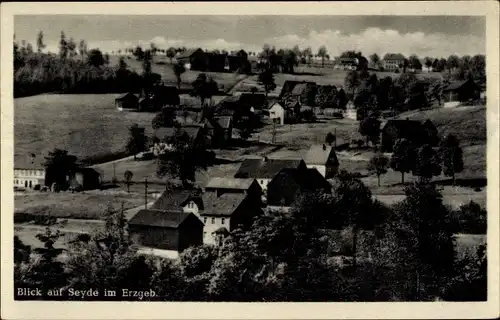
(159, 218)
(394, 56)
(174, 199)
(455, 85)
(126, 96)
(321, 154)
(188, 53)
(166, 133)
(224, 121)
(224, 205)
(229, 183)
(266, 169)
(289, 85)
(306, 180)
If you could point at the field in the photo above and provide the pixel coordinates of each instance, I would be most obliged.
(225, 80)
(84, 205)
(87, 125)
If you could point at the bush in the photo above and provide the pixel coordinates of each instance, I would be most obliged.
(23, 217)
(470, 218)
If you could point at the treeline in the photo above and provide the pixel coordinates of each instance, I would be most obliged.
(401, 253)
(69, 71)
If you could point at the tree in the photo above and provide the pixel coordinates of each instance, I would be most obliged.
(128, 179)
(403, 157)
(427, 163)
(375, 59)
(82, 48)
(452, 62)
(352, 81)
(164, 119)
(245, 131)
(451, 155)
(424, 233)
(138, 53)
(414, 62)
(341, 99)
(179, 69)
(39, 42)
(171, 53)
(22, 252)
(330, 138)
(47, 272)
(137, 141)
(59, 165)
(95, 58)
(307, 53)
(204, 88)
(322, 52)
(378, 164)
(370, 128)
(266, 79)
(185, 157)
(428, 62)
(63, 46)
(71, 46)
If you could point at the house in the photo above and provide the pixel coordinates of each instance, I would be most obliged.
(236, 61)
(417, 132)
(277, 113)
(289, 85)
(84, 179)
(460, 91)
(163, 137)
(180, 199)
(213, 132)
(242, 106)
(193, 59)
(264, 169)
(393, 61)
(221, 185)
(305, 93)
(29, 176)
(126, 101)
(346, 63)
(350, 112)
(228, 211)
(166, 229)
(322, 158)
(289, 184)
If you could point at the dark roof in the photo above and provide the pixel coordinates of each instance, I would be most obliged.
(159, 218)
(320, 154)
(405, 128)
(126, 96)
(88, 171)
(456, 85)
(244, 100)
(267, 169)
(229, 183)
(289, 182)
(224, 205)
(174, 199)
(394, 56)
(289, 85)
(188, 53)
(299, 89)
(166, 133)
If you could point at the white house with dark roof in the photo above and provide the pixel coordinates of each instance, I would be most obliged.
(323, 159)
(28, 172)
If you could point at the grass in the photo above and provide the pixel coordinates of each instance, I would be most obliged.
(85, 205)
(86, 125)
(225, 80)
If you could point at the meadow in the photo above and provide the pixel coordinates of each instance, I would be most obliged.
(163, 67)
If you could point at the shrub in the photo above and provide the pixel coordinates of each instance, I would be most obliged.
(470, 218)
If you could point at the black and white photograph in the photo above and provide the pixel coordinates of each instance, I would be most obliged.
(250, 157)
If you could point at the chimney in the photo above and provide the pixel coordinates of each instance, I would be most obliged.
(324, 147)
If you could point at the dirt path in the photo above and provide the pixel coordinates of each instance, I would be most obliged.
(231, 89)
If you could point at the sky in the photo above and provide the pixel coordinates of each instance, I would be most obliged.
(435, 36)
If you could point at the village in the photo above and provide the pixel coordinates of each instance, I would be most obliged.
(200, 159)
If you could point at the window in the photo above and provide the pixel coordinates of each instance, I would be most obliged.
(262, 181)
(16, 181)
(204, 234)
(213, 220)
(205, 220)
(223, 221)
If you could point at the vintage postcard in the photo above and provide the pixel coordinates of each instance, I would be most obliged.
(244, 160)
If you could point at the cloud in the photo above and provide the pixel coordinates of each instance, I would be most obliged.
(383, 41)
(371, 40)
